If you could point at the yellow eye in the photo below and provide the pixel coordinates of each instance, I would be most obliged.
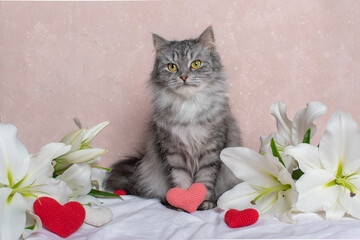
(172, 67)
(196, 64)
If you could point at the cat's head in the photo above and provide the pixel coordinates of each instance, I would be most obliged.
(186, 67)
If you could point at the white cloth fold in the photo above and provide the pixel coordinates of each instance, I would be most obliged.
(139, 218)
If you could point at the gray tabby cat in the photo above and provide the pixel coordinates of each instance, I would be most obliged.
(191, 124)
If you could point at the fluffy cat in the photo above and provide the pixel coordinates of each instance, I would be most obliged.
(191, 123)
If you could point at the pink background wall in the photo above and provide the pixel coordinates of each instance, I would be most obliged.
(91, 60)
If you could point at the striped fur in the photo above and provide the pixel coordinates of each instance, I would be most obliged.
(191, 124)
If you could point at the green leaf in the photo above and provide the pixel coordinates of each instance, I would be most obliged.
(97, 193)
(307, 136)
(106, 169)
(276, 152)
(296, 174)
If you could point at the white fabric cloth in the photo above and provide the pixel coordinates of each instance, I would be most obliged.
(138, 218)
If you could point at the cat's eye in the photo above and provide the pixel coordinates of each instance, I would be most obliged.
(196, 64)
(172, 67)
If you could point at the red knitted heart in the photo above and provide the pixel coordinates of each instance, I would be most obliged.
(120, 192)
(188, 200)
(235, 218)
(60, 219)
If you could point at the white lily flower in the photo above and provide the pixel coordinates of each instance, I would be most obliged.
(331, 179)
(92, 132)
(267, 187)
(78, 178)
(23, 178)
(281, 144)
(291, 133)
(81, 155)
(74, 167)
(80, 141)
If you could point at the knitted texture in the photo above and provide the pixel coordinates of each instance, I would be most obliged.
(60, 219)
(235, 218)
(120, 192)
(188, 200)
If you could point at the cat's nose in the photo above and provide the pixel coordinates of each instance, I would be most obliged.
(184, 78)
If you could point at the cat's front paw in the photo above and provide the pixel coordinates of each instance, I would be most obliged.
(206, 205)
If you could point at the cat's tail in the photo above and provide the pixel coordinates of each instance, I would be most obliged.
(121, 176)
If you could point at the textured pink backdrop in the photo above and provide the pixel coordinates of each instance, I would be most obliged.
(91, 60)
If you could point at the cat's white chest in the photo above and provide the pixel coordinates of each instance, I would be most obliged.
(191, 135)
(187, 112)
(182, 110)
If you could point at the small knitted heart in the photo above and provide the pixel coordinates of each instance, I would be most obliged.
(120, 192)
(188, 200)
(60, 219)
(235, 218)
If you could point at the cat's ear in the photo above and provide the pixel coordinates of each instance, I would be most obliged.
(207, 38)
(159, 42)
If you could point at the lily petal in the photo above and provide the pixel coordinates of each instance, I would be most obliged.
(240, 197)
(284, 177)
(41, 163)
(266, 140)
(307, 155)
(284, 125)
(250, 166)
(339, 145)
(284, 200)
(314, 192)
(86, 199)
(54, 188)
(83, 155)
(77, 178)
(351, 204)
(32, 220)
(14, 157)
(282, 208)
(76, 142)
(74, 138)
(281, 144)
(92, 132)
(12, 217)
(265, 143)
(98, 176)
(335, 212)
(304, 119)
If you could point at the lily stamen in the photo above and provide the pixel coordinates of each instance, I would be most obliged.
(280, 147)
(344, 182)
(268, 190)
